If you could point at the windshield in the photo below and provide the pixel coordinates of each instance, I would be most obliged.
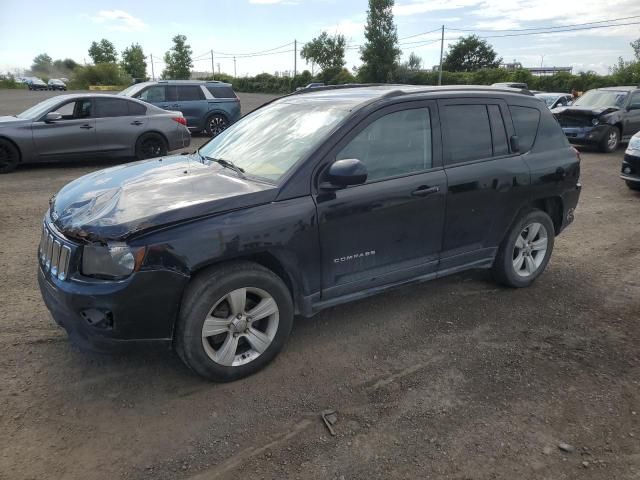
(548, 99)
(40, 109)
(601, 98)
(132, 90)
(271, 140)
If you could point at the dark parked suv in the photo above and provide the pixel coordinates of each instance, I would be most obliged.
(602, 117)
(208, 106)
(318, 198)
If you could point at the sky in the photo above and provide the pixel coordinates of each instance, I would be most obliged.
(242, 27)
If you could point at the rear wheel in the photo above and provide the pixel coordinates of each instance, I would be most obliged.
(9, 156)
(216, 124)
(150, 145)
(233, 321)
(525, 251)
(611, 140)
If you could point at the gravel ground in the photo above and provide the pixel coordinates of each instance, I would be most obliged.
(453, 379)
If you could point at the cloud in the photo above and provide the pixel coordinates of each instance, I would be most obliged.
(346, 27)
(418, 7)
(273, 2)
(119, 20)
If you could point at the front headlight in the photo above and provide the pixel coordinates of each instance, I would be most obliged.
(634, 143)
(595, 121)
(112, 261)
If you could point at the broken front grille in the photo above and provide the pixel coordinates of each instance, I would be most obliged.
(54, 254)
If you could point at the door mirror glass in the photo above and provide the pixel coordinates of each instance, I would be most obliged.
(515, 145)
(349, 171)
(52, 117)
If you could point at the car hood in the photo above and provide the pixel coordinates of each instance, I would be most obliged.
(12, 121)
(584, 111)
(114, 203)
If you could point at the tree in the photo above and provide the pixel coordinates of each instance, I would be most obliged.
(66, 65)
(636, 48)
(103, 52)
(178, 60)
(469, 54)
(133, 61)
(380, 52)
(326, 51)
(42, 63)
(414, 63)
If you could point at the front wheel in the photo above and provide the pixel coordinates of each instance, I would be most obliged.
(633, 185)
(150, 145)
(9, 156)
(611, 140)
(525, 251)
(216, 124)
(233, 321)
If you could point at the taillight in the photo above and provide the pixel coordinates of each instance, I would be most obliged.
(577, 152)
(180, 120)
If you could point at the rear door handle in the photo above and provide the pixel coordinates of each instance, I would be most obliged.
(136, 122)
(86, 126)
(424, 191)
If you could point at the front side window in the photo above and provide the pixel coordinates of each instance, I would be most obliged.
(468, 132)
(271, 140)
(74, 110)
(398, 143)
(153, 94)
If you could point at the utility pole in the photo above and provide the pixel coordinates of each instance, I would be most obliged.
(213, 70)
(295, 58)
(218, 68)
(153, 75)
(441, 53)
(542, 61)
(234, 67)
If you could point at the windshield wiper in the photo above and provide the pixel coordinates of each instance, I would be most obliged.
(228, 164)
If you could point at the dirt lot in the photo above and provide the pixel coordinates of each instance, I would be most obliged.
(454, 379)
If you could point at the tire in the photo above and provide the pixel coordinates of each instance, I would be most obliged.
(206, 304)
(150, 145)
(216, 124)
(633, 185)
(611, 140)
(523, 255)
(9, 156)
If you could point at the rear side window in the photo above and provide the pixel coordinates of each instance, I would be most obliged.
(396, 144)
(222, 92)
(498, 131)
(525, 121)
(468, 132)
(137, 109)
(112, 107)
(188, 93)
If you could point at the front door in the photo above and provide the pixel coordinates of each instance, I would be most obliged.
(193, 104)
(70, 137)
(389, 229)
(632, 117)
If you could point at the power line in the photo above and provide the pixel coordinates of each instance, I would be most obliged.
(250, 54)
(419, 34)
(541, 28)
(560, 31)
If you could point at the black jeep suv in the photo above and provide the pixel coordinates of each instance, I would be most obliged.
(603, 117)
(318, 198)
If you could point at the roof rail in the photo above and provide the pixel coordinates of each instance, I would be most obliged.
(340, 87)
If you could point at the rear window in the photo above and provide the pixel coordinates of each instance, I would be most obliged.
(525, 121)
(468, 132)
(137, 109)
(188, 93)
(112, 107)
(221, 92)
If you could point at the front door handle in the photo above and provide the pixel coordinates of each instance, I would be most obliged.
(136, 122)
(423, 191)
(86, 126)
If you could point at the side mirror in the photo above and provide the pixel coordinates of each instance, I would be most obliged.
(52, 117)
(515, 146)
(343, 173)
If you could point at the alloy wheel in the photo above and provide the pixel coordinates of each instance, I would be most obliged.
(530, 249)
(7, 156)
(240, 326)
(612, 139)
(217, 124)
(151, 148)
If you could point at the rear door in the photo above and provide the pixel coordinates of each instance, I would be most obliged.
(632, 116)
(71, 137)
(119, 123)
(193, 105)
(486, 179)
